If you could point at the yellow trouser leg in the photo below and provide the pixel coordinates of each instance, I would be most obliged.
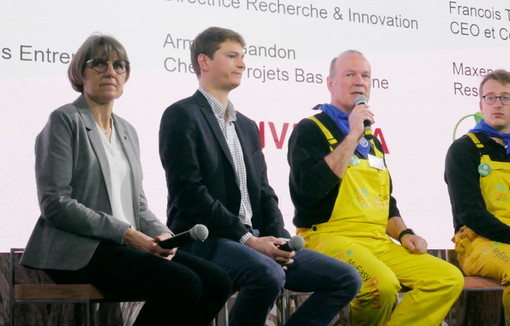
(378, 294)
(435, 286)
(383, 265)
(482, 257)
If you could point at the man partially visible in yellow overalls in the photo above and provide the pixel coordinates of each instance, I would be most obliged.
(478, 177)
(341, 189)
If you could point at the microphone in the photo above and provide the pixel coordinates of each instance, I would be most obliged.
(362, 99)
(295, 243)
(198, 232)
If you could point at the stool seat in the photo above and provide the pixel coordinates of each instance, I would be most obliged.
(474, 283)
(56, 292)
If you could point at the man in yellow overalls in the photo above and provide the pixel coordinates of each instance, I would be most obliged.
(478, 177)
(341, 189)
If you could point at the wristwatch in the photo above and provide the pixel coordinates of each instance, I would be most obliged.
(406, 231)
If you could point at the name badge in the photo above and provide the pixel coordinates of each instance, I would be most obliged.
(376, 162)
(484, 169)
(354, 160)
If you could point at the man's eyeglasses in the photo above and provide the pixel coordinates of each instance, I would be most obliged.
(100, 65)
(491, 99)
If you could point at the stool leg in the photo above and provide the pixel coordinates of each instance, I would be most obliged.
(88, 313)
(12, 316)
(285, 306)
(96, 314)
(225, 314)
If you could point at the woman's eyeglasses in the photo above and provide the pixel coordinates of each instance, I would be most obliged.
(100, 65)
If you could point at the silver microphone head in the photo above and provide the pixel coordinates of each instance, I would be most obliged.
(199, 232)
(296, 243)
(360, 99)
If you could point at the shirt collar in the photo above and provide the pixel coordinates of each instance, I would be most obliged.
(217, 108)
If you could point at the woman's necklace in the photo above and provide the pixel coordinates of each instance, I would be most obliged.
(108, 132)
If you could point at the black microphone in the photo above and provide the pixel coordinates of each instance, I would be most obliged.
(295, 243)
(362, 99)
(198, 232)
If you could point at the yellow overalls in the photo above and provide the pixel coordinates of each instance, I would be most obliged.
(479, 256)
(356, 235)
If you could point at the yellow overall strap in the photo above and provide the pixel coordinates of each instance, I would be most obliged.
(480, 147)
(332, 140)
(377, 152)
(475, 140)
